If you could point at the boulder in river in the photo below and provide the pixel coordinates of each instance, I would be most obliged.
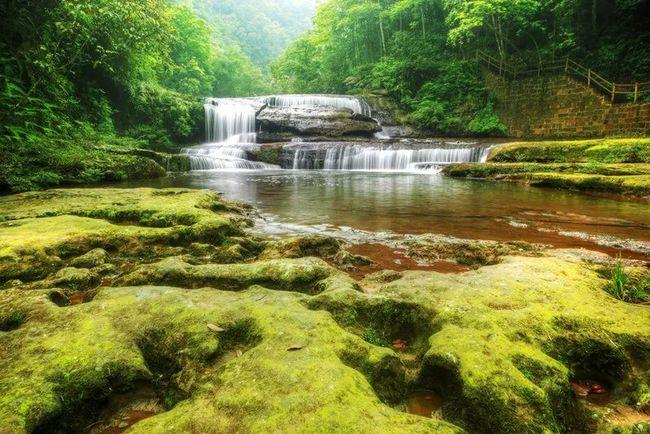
(316, 121)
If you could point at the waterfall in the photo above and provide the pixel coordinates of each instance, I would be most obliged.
(223, 156)
(230, 131)
(229, 119)
(355, 104)
(359, 157)
(233, 119)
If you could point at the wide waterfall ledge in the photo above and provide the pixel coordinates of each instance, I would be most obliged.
(232, 133)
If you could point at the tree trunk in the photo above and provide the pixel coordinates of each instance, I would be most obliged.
(424, 27)
(383, 36)
(594, 16)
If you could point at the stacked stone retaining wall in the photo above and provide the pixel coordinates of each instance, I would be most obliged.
(561, 107)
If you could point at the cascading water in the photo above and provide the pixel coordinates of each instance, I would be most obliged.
(359, 157)
(355, 104)
(230, 130)
(230, 120)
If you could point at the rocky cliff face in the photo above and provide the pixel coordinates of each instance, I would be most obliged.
(315, 121)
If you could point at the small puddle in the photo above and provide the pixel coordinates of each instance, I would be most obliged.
(389, 258)
(62, 299)
(423, 403)
(599, 397)
(78, 297)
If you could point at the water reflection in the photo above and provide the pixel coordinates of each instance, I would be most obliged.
(419, 203)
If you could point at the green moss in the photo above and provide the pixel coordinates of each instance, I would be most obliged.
(266, 388)
(178, 163)
(37, 229)
(472, 253)
(628, 185)
(601, 150)
(12, 320)
(491, 170)
(270, 154)
(628, 179)
(91, 259)
(286, 344)
(300, 247)
(79, 162)
(304, 275)
(507, 339)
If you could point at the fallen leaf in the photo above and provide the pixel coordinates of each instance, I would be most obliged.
(399, 344)
(579, 390)
(295, 348)
(215, 328)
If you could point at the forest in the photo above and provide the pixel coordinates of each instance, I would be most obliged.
(324, 216)
(423, 52)
(109, 71)
(77, 77)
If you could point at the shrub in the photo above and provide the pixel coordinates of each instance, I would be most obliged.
(487, 123)
(633, 289)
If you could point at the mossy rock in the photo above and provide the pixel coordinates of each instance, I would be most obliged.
(632, 150)
(284, 342)
(309, 275)
(300, 247)
(91, 259)
(38, 229)
(625, 179)
(127, 334)
(471, 253)
(507, 340)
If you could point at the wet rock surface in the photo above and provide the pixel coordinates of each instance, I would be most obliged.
(604, 166)
(316, 121)
(155, 311)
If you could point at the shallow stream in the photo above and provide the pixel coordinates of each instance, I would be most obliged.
(383, 203)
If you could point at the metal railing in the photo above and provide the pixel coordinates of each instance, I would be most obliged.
(617, 92)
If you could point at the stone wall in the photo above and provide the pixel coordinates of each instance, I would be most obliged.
(561, 107)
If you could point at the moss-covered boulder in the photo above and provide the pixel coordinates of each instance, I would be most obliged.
(300, 247)
(472, 253)
(310, 275)
(623, 150)
(272, 366)
(618, 166)
(39, 230)
(201, 328)
(508, 340)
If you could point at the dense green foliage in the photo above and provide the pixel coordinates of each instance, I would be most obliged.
(262, 29)
(78, 74)
(423, 51)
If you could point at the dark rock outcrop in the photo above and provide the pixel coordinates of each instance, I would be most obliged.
(316, 121)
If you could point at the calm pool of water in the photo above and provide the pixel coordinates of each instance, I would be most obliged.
(417, 203)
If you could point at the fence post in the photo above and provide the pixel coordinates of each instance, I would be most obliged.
(613, 91)
(589, 78)
(566, 66)
(636, 91)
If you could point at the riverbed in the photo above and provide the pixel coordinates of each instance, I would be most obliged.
(341, 203)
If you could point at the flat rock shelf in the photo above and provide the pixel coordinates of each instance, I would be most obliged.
(190, 322)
